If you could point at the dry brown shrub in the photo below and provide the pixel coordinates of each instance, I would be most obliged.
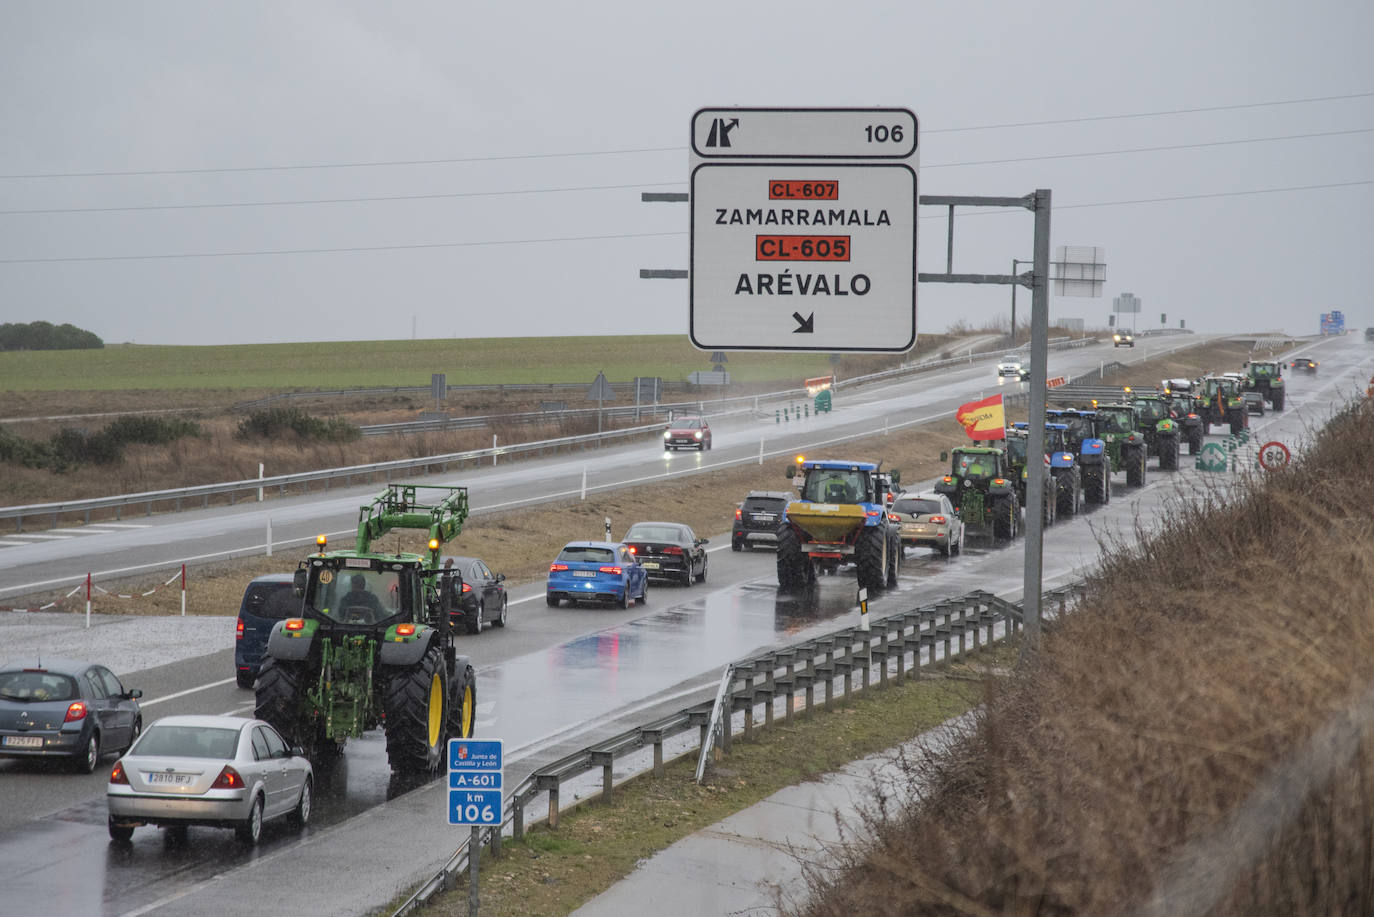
(1158, 742)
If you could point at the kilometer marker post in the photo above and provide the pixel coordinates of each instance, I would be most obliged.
(863, 610)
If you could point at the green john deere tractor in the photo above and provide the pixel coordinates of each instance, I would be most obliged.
(1265, 377)
(983, 490)
(1119, 429)
(1160, 429)
(1220, 402)
(373, 645)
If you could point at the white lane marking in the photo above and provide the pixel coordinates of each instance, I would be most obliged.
(119, 525)
(240, 711)
(158, 700)
(42, 537)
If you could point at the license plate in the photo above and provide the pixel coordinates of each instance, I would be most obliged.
(172, 779)
(585, 573)
(649, 566)
(765, 517)
(24, 741)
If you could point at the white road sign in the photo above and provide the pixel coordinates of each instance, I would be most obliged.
(803, 229)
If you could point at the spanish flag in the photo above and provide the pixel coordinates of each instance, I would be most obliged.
(983, 419)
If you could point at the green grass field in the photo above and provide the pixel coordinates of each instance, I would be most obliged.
(365, 364)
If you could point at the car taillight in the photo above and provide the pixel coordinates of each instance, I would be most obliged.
(228, 779)
(294, 624)
(893, 517)
(467, 587)
(634, 550)
(76, 710)
(739, 514)
(615, 570)
(556, 567)
(672, 549)
(938, 520)
(238, 630)
(118, 776)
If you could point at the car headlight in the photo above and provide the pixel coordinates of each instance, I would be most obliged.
(667, 434)
(697, 434)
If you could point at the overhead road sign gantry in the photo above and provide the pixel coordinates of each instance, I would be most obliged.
(803, 229)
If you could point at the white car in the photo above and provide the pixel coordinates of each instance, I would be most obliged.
(1123, 339)
(223, 771)
(1011, 366)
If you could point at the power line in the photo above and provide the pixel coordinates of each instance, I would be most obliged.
(642, 235)
(1142, 149)
(1151, 114)
(667, 149)
(584, 188)
(339, 200)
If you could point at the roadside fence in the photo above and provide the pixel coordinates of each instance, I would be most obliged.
(779, 683)
(92, 587)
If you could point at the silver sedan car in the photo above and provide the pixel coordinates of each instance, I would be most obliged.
(222, 771)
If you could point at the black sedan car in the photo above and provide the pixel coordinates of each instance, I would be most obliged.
(668, 550)
(1306, 364)
(483, 599)
(65, 709)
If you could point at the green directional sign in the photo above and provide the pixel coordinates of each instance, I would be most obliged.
(1212, 458)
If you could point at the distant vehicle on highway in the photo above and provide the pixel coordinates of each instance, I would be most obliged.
(221, 771)
(758, 519)
(596, 571)
(66, 709)
(668, 550)
(1306, 364)
(1011, 366)
(687, 432)
(483, 601)
(267, 600)
(1123, 339)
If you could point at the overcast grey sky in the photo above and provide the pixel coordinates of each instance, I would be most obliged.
(138, 127)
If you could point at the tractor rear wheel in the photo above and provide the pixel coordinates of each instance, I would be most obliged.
(1069, 493)
(1095, 483)
(868, 557)
(416, 719)
(1004, 519)
(462, 707)
(1135, 468)
(1168, 454)
(1195, 441)
(280, 687)
(792, 563)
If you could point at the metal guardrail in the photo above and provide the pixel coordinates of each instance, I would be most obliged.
(175, 498)
(927, 634)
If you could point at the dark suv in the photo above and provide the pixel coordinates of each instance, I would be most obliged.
(267, 600)
(758, 519)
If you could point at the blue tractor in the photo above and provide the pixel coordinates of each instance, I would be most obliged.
(1063, 467)
(1081, 437)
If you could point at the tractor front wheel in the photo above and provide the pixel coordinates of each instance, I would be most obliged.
(1278, 400)
(1135, 468)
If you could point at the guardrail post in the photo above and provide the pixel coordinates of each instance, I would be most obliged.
(518, 818)
(495, 844)
(748, 672)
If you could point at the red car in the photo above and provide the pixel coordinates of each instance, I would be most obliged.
(687, 432)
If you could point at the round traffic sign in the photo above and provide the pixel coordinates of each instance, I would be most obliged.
(1274, 455)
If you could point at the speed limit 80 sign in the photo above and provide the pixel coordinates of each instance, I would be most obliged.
(1273, 455)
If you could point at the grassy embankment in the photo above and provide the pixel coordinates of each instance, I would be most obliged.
(1167, 738)
(520, 542)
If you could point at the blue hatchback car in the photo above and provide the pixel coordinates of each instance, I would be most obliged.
(267, 600)
(597, 571)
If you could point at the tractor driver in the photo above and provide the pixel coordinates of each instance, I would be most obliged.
(358, 598)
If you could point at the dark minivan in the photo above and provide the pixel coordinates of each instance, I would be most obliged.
(267, 600)
(758, 519)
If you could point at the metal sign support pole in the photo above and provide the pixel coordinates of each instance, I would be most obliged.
(1035, 485)
(474, 854)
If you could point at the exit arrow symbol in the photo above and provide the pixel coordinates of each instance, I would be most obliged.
(804, 325)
